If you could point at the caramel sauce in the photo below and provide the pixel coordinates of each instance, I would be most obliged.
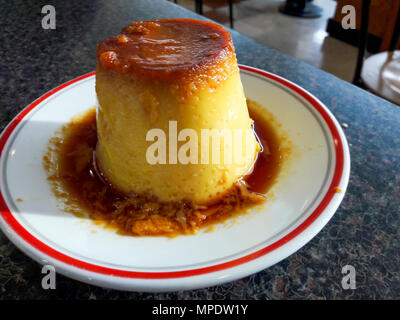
(268, 162)
(73, 177)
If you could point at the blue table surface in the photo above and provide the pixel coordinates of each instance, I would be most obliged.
(364, 232)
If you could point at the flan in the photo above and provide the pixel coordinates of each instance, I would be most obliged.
(172, 81)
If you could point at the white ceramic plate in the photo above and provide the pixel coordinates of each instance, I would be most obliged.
(305, 199)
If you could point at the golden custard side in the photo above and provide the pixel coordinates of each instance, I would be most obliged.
(154, 73)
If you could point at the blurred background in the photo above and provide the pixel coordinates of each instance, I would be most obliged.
(312, 31)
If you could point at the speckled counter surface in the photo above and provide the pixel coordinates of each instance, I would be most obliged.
(365, 231)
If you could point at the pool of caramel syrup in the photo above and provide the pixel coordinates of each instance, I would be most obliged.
(82, 187)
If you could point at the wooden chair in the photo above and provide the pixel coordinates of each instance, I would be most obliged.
(199, 9)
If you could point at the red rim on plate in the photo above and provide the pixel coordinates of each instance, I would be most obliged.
(45, 249)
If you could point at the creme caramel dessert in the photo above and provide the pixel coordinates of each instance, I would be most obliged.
(180, 74)
(178, 71)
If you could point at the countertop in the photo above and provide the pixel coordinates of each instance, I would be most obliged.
(364, 232)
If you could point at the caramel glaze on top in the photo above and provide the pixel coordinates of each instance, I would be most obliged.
(170, 51)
